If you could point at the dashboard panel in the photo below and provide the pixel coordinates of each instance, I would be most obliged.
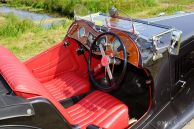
(85, 32)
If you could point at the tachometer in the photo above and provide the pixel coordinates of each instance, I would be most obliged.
(90, 39)
(116, 45)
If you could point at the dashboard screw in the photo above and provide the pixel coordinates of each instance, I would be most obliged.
(29, 112)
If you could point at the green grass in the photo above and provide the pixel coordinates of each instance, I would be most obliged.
(168, 10)
(134, 8)
(67, 7)
(14, 27)
(183, 2)
(26, 39)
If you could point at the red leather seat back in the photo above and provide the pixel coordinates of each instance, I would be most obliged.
(22, 82)
(52, 63)
(17, 75)
(61, 71)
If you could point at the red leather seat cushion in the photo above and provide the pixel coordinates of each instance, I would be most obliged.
(67, 85)
(100, 109)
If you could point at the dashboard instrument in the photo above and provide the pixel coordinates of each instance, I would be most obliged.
(86, 32)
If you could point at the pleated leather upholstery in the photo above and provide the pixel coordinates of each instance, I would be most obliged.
(58, 71)
(67, 85)
(23, 83)
(100, 109)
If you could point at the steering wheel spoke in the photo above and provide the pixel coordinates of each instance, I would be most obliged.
(109, 72)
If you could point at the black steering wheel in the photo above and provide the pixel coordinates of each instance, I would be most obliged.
(109, 46)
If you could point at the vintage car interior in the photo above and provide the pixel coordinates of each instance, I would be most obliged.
(97, 77)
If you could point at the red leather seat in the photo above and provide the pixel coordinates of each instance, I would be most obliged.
(98, 108)
(62, 86)
(58, 70)
(23, 83)
(67, 85)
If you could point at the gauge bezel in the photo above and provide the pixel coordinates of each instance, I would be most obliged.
(83, 34)
(112, 44)
(106, 39)
(89, 42)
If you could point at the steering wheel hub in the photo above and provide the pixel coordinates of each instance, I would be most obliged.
(105, 61)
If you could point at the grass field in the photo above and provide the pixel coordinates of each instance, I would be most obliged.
(27, 39)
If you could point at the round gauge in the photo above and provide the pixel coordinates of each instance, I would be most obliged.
(116, 45)
(81, 32)
(90, 39)
(102, 41)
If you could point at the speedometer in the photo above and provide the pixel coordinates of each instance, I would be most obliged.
(102, 40)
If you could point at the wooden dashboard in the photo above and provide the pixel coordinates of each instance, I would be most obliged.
(83, 31)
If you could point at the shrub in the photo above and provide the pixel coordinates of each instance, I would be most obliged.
(66, 7)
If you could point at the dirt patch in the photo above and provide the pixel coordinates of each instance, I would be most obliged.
(2, 20)
(189, 8)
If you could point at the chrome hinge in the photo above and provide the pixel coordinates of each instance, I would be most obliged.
(181, 83)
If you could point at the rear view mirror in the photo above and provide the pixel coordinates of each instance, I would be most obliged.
(175, 42)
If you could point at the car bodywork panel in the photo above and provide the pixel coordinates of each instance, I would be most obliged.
(173, 90)
(181, 22)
